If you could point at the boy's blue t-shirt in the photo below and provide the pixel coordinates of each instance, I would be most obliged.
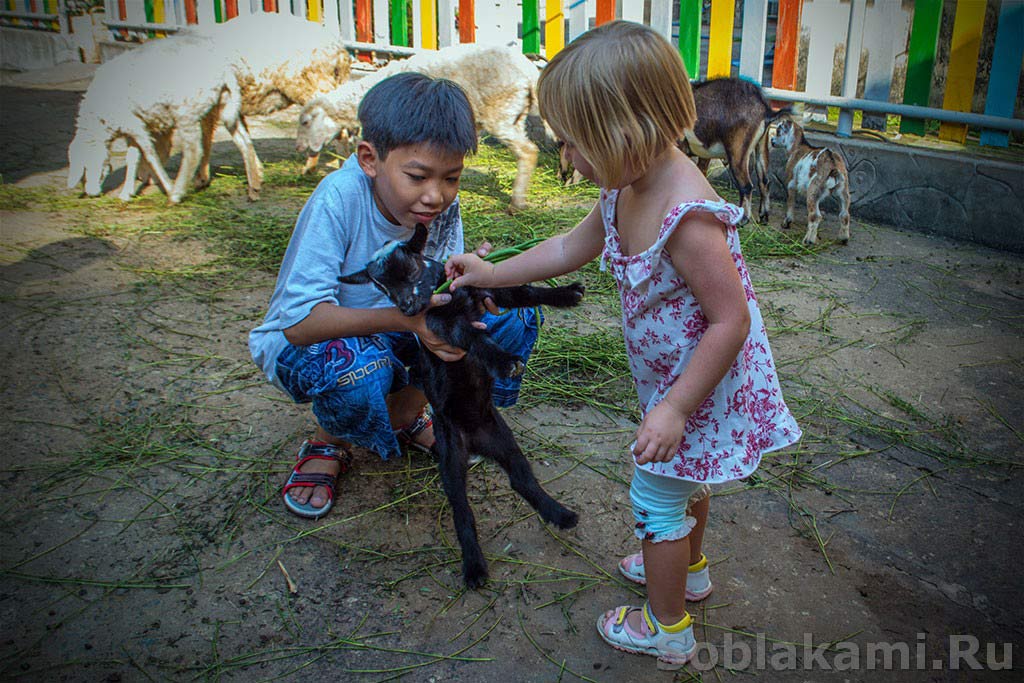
(337, 232)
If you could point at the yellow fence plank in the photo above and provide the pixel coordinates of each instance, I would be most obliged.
(963, 65)
(554, 28)
(720, 40)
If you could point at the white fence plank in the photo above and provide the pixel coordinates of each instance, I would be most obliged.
(497, 21)
(579, 11)
(886, 26)
(661, 17)
(446, 23)
(381, 22)
(632, 10)
(755, 27)
(827, 21)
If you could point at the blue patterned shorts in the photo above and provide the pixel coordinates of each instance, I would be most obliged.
(347, 380)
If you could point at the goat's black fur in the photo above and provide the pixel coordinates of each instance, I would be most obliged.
(465, 419)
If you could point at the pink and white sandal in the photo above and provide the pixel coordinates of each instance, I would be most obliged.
(673, 645)
(698, 583)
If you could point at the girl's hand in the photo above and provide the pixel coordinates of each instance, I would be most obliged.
(468, 269)
(660, 434)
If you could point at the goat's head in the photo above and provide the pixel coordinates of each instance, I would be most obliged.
(787, 134)
(402, 273)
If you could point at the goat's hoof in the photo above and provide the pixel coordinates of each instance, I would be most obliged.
(577, 290)
(785, 225)
(809, 242)
(516, 368)
(564, 518)
(763, 218)
(474, 575)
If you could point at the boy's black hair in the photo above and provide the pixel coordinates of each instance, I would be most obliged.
(411, 108)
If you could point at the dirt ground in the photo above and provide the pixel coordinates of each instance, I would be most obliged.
(143, 537)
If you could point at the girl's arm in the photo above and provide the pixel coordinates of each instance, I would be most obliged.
(555, 256)
(701, 254)
(330, 321)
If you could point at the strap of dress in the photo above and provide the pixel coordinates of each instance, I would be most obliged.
(728, 213)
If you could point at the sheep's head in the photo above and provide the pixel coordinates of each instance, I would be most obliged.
(402, 273)
(317, 127)
(88, 159)
(785, 134)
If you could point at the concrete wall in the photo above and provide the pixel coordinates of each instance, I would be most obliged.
(953, 194)
(26, 49)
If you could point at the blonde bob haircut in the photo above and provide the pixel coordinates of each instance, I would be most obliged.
(620, 95)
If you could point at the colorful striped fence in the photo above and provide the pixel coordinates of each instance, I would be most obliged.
(735, 43)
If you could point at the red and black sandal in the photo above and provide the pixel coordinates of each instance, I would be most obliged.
(315, 450)
(407, 435)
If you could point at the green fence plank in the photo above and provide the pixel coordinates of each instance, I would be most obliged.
(400, 22)
(924, 39)
(531, 27)
(689, 35)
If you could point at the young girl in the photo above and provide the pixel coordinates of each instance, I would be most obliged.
(619, 98)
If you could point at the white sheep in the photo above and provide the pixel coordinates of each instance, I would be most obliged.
(162, 89)
(276, 61)
(499, 81)
(280, 59)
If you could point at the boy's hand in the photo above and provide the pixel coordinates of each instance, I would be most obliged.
(660, 434)
(433, 343)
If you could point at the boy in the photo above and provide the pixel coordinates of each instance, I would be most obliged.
(345, 348)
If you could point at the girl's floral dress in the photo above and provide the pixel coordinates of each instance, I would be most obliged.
(745, 416)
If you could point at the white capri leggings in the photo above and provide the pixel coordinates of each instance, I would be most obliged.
(661, 505)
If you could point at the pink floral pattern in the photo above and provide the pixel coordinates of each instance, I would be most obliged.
(745, 416)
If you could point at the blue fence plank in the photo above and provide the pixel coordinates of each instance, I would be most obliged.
(1005, 75)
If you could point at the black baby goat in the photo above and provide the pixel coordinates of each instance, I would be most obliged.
(465, 419)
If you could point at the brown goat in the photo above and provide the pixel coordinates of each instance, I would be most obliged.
(733, 118)
(816, 171)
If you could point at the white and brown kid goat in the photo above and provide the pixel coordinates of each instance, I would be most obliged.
(817, 172)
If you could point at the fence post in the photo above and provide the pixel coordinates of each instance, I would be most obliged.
(1006, 59)
(854, 41)
(554, 28)
(445, 23)
(755, 30)
(62, 16)
(885, 30)
(689, 35)
(661, 18)
(467, 21)
(720, 38)
(963, 65)
(381, 12)
(399, 23)
(924, 40)
(428, 17)
(531, 28)
(577, 18)
(787, 43)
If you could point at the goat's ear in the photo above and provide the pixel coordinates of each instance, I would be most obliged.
(358, 278)
(418, 240)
